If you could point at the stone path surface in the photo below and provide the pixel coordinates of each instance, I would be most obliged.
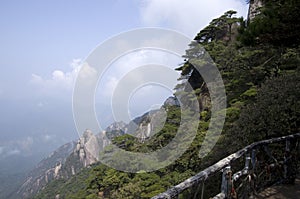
(282, 192)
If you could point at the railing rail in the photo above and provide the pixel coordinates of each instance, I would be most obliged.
(224, 165)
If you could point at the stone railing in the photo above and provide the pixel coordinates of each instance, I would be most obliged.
(265, 163)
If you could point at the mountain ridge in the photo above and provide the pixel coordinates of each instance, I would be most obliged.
(72, 157)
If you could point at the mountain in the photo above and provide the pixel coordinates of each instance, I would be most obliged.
(260, 67)
(71, 158)
(115, 129)
(64, 162)
(259, 64)
(14, 171)
(140, 130)
(45, 171)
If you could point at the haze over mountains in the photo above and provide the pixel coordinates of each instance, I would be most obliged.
(42, 47)
(72, 157)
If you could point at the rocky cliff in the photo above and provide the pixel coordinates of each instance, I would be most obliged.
(254, 6)
(70, 158)
(64, 162)
(47, 170)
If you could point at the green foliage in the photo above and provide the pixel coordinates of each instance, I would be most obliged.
(218, 29)
(278, 24)
(276, 111)
(261, 75)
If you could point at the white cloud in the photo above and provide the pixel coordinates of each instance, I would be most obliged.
(25, 146)
(41, 104)
(126, 75)
(126, 64)
(59, 80)
(13, 152)
(36, 78)
(58, 75)
(26, 143)
(110, 86)
(6, 151)
(48, 138)
(87, 74)
(187, 16)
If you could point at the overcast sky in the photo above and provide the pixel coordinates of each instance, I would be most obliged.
(43, 44)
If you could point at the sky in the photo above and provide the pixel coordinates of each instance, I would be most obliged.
(44, 43)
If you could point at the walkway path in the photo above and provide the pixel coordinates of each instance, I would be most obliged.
(282, 192)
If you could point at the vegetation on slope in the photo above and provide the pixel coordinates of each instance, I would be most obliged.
(259, 63)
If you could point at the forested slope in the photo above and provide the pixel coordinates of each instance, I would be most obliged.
(259, 63)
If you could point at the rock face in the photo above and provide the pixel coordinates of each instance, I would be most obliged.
(116, 126)
(64, 162)
(115, 129)
(89, 148)
(172, 101)
(70, 158)
(149, 124)
(47, 170)
(254, 8)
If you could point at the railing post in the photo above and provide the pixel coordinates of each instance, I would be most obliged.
(247, 162)
(287, 145)
(226, 181)
(253, 159)
(287, 157)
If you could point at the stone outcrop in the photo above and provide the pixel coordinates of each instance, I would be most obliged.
(64, 162)
(254, 6)
(88, 147)
(116, 126)
(172, 101)
(70, 158)
(47, 170)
